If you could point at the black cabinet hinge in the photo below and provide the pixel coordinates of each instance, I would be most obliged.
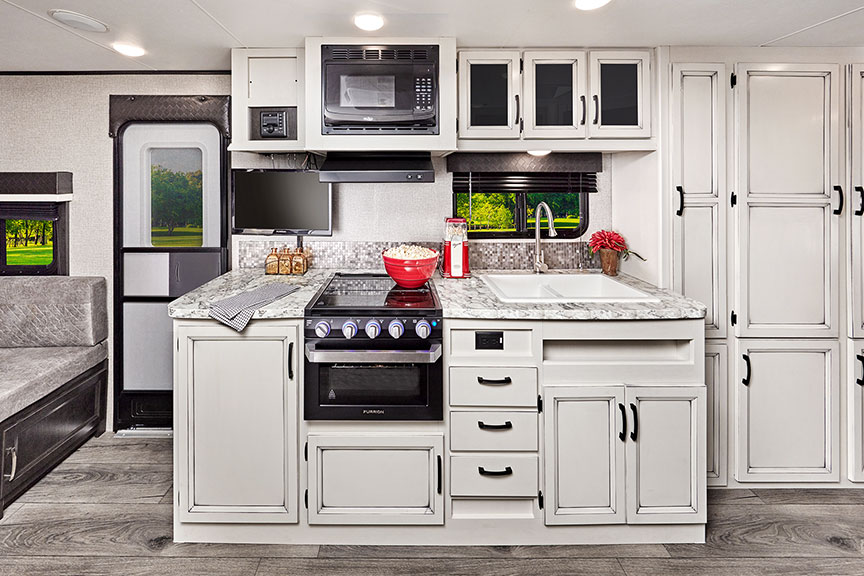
(457, 65)
(306, 452)
(306, 499)
(733, 200)
(521, 65)
(521, 125)
(733, 318)
(539, 403)
(540, 499)
(733, 80)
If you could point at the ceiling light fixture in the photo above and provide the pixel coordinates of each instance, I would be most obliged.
(78, 21)
(368, 22)
(590, 4)
(539, 153)
(130, 50)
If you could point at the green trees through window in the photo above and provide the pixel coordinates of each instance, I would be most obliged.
(29, 242)
(506, 214)
(176, 195)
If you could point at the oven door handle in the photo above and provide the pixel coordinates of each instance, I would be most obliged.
(430, 356)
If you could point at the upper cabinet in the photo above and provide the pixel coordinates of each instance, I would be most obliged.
(559, 95)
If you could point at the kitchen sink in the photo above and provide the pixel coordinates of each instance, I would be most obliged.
(562, 288)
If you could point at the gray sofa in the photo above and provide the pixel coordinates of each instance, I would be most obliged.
(53, 374)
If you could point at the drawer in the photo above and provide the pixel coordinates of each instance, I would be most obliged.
(493, 431)
(479, 386)
(493, 346)
(505, 475)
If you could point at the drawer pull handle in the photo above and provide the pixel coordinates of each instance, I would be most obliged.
(860, 381)
(505, 426)
(623, 434)
(14, 452)
(508, 471)
(494, 382)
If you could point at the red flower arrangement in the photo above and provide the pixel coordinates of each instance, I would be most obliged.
(610, 240)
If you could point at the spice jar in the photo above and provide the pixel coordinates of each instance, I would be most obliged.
(285, 261)
(271, 262)
(298, 262)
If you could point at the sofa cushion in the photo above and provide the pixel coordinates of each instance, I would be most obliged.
(52, 311)
(29, 374)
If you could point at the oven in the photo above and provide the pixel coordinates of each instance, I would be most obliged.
(380, 89)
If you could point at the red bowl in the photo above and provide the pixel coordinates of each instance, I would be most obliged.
(410, 273)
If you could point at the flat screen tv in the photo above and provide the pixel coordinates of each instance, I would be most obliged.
(281, 202)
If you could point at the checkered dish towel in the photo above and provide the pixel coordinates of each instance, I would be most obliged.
(238, 310)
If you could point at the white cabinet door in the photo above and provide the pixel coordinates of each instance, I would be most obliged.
(555, 89)
(716, 387)
(376, 479)
(666, 481)
(620, 89)
(699, 176)
(585, 431)
(787, 410)
(856, 204)
(788, 241)
(855, 409)
(489, 94)
(236, 423)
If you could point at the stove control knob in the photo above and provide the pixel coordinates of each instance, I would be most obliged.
(396, 329)
(349, 329)
(423, 329)
(322, 329)
(373, 328)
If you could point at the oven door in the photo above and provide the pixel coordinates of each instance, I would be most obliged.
(366, 384)
(366, 93)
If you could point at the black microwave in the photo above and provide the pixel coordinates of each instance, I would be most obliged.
(379, 89)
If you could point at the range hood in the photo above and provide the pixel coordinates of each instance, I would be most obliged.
(407, 167)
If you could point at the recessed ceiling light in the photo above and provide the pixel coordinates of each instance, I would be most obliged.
(590, 4)
(368, 22)
(78, 21)
(539, 152)
(130, 50)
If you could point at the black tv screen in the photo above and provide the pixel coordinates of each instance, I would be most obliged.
(281, 202)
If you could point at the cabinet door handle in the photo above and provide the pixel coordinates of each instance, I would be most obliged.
(291, 360)
(839, 190)
(635, 433)
(14, 452)
(584, 109)
(516, 121)
(505, 426)
(860, 381)
(746, 380)
(680, 211)
(623, 434)
(177, 273)
(440, 474)
(596, 109)
(494, 382)
(508, 471)
(860, 210)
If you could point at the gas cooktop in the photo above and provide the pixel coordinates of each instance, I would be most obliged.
(372, 294)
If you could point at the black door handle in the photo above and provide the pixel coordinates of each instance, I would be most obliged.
(860, 210)
(508, 471)
(517, 110)
(596, 109)
(746, 380)
(291, 360)
(440, 474)
(494, 382)
(860, 381)
(584, 109)
(839, 190)
(623, 434)
(505, 426)
(635, 433)
(680, 211)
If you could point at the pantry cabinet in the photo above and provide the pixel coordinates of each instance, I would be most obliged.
(229, 382)
(855, 409)
(787, 410)
(856, 205)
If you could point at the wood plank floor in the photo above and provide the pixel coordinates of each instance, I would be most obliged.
(107, 510)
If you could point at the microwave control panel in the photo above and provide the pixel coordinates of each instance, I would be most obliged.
(424, 90)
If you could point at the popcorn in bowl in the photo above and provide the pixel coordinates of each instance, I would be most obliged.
(410, 252)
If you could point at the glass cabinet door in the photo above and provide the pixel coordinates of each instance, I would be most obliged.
(489, 94)
(555, 88)
(620, 95)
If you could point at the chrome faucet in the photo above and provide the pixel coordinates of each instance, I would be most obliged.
(539, 263)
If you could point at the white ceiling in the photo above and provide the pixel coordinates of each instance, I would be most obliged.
(198, 34)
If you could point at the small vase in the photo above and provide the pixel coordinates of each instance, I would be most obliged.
(609, 261)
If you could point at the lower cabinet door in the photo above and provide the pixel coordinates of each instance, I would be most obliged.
(236, 406)
(585, 431)
(787, 410)
(716, 388)
(855, 410)
(376, 479)
(666, 481)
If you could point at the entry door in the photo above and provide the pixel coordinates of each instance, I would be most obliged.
(856, 203)
(789, 201)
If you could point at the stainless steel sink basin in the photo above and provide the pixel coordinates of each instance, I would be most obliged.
(562, 288)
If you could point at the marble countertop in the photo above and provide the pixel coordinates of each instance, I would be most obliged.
(460, 298)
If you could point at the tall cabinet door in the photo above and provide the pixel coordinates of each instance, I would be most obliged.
(236, 424)
(788, 183)
(787, 410)
(489, 94)
(585, 437)
(666, 481)
(856, 201)
(699, 195)
(855, 409)
(555, 86)
(620, 94)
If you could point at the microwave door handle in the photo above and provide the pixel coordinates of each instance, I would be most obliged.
(430, 356)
